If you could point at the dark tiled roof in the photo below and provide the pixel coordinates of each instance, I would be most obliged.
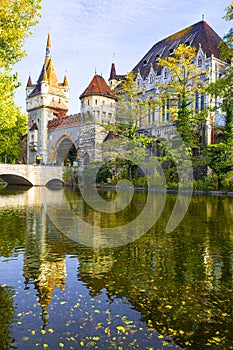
(98, 86)
(197, 34)
(113, 74)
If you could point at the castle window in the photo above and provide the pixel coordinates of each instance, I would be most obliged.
(145, 62)
(96, 102)
(103, 102)
(165, 74)
(88, 102)
(151, 79)
(199, 62)
(171, 51)
(157, 58)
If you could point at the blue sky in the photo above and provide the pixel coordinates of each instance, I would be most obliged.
(86, 34)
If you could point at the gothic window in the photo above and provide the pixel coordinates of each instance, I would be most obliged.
(202, 101)
(197, 102)
(151, 79)
(165, 73)
(96, 102)
(199, 61)
(168, 110)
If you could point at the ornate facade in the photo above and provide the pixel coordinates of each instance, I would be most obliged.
(52, 133)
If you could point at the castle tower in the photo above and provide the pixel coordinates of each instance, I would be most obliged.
(44, 100)
(98, 105)
(114, 79)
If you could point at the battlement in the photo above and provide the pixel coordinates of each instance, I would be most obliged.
(62, 121)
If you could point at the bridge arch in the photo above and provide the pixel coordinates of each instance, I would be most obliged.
(13, 179)
(64, 149)
(30, 175)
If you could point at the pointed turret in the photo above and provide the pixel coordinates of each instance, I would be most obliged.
(48, 46)
(65, 81)
(114, 78)
(48, 74)
(29, 83)
(98, 87)
(112, 72)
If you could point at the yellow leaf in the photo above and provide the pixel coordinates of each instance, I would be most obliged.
(95, 338)
(168, 306)
(160, 336)
(61, 345)
(45, 345)
(43, 331)
(81, 343)
(121, 329)
(33, 332)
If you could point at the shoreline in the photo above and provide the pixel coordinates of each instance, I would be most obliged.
(175, 191)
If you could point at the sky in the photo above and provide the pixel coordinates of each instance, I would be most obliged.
(87, 36)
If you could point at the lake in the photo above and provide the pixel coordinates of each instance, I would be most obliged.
(75, 277)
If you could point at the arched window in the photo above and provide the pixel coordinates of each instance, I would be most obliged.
(199, 61)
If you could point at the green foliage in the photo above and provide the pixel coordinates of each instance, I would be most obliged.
(227, 45)
(16, 17)
(13, 124)
(185, 79)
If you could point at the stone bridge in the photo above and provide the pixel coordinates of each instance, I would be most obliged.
(31, 175)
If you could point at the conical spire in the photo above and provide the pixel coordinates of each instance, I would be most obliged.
(29, 83)
(65, 81)
(113, 72)
(48, 46)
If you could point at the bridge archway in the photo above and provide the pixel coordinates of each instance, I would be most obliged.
(11, 179)
(64, 151)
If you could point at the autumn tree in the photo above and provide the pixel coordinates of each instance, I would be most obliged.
(130, 111)
(221, 155)
(16, 18)
(185, 79)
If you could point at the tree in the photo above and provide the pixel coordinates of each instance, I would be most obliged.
(220, 155)
(16, 17)
(185, 79)
(130, 111)
(226, 45)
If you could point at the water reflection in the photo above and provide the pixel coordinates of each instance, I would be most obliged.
(179, 283)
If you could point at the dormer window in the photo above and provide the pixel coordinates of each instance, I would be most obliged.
(171, 51)
(145, 62)
(187, 43)
(157, 58)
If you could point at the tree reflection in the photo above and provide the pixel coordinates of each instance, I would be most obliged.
(7, 316)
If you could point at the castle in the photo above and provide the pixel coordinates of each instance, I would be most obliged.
(55, 137)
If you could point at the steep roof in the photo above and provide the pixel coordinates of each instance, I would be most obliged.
(48, 74)
(98, 86)
(113, 74)
(195, 35)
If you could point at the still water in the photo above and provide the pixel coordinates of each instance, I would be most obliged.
(158, 290)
